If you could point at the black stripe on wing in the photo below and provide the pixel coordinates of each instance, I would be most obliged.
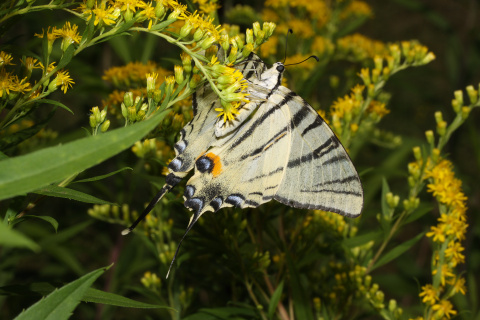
(260, 120)
(353, 193)
(340, 181)
(297, 204)
(325, 148)
(263, 175)
(315, 124)
(279, 136)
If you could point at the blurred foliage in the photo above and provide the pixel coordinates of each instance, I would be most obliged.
(123, 69)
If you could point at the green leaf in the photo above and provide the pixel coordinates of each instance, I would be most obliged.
(397, 251)
(30, 172)
(274, 300)
(362, 239)
(300, 301)
(48, 219)
(66, 57)
(60, 304)
(102, 176)
(223, 313)
(385, 207)
(61, 192)
(418, 213)
(13, 238)
(55, 103)
(121, 47)
(162, 25)
(98, 296)
(16, 138)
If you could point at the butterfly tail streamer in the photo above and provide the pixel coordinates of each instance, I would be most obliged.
(190, 225)
(171, 181)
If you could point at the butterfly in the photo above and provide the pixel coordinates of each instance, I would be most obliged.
(277, 147)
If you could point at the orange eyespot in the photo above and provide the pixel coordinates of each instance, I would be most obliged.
(217, 164)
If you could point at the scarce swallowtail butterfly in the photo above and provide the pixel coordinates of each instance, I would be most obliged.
(278, 147)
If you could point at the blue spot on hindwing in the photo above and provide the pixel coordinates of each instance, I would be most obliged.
(194, 203)
(204, 164)
(175, 164)
(189, 191)
(235, 199)
(216, 203)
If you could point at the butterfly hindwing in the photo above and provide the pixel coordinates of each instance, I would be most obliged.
(247, 170)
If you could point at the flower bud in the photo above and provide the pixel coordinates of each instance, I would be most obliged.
(256, 28)
(186, 29)
(128, 99)
(247, 50)
(178, 74)
(472, 94)
(105, 126)
(93, 121)
(160, 10)
(249, 36)
(198, 34)
(430, 137)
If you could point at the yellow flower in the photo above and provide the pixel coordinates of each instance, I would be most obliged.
(207, 6)
(459, 286)
(356, 8)
(9, 82)
(51, 36)
(378, 108)
(444, 309)
(106, 16)
(438, 233)
(148, 13)
(5, 59)
(359, 47)
(68, 33)
(228, 111)
(63, 79)
(454, 252)
(131, 5)
(429, 294)
(445, 271)
(32, 63)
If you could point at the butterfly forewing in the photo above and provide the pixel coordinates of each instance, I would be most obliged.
(319, 173)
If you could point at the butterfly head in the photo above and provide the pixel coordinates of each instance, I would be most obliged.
(272, 77)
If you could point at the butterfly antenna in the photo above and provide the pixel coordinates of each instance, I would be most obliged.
(286, 43)
(190, 225)
(292, 64)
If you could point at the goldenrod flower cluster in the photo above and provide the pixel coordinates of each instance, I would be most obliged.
(450, 231)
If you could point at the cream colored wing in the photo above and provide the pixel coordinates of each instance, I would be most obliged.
(247, 170)
(319, 173)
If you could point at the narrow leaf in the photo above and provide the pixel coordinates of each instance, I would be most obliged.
(61, 303)
(13, 238)
(362, 239)
(300, 300)
(397, 251)
(66, 57)
(60, 192)
(48, 219)
(102, 176)
(30, 172)
(274, 300)
(98, 296)
(55, 103)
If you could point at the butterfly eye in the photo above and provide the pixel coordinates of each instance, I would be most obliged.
(280, 68)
